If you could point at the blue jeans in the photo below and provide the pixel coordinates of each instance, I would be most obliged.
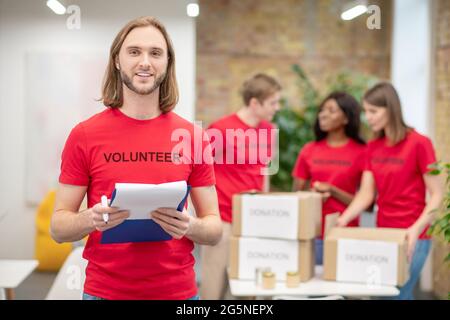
(420, 256)
(87, 296)
(319, 251)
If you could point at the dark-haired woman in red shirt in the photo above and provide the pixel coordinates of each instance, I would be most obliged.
(334, 162)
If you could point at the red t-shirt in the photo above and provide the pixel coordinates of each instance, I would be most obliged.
(338, 166)
(398, 171)
(111, 147)
(248, 157)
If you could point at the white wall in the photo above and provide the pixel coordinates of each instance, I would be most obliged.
(411, 72)
(29, 26)
(411, 61)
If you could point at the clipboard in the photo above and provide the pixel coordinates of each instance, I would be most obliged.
(139, 230)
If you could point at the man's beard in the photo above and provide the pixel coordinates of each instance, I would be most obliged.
(129, 83)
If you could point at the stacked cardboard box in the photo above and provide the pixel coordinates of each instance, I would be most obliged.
(374, 256)
(276, 231)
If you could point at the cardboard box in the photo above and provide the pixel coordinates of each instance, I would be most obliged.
(277, 215)
(374, 256)
(281, 256)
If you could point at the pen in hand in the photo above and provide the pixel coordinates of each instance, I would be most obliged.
(105, 205)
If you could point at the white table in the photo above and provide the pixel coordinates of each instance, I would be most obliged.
(314, 287)
(13, 272)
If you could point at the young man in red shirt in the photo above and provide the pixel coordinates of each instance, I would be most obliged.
(131, 142)
(241, 144)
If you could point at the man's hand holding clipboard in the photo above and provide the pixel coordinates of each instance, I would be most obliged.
(160, 223)
(174, 222)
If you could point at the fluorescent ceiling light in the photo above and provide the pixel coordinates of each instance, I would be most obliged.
(56, 6)
(192, 9)
(354, 12)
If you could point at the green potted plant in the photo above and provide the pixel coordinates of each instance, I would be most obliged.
(296, 124)
(441, 225)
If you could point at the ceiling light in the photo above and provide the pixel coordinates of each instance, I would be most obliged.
(56, 6)
(354, 9)
(192, 9)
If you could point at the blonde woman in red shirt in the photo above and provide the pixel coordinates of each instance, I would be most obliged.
(396, 174)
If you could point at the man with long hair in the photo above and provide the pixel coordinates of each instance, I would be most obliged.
(131, 141)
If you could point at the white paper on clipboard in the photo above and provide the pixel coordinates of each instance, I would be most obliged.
(141, 199)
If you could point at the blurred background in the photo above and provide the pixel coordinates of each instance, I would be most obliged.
(53, 55)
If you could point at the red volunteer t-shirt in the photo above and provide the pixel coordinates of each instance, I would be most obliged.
(398, 171)
(338, 166)
(110, 148)
(248, 155)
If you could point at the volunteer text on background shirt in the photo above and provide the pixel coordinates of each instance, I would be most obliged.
(110, 148)
(238, 177)
(339, 166)
(398, 172)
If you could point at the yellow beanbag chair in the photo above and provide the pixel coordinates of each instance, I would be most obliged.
(49, 253)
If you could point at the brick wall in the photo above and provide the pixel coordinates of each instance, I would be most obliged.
(236, 38)
(441, 271)
(442, 78)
